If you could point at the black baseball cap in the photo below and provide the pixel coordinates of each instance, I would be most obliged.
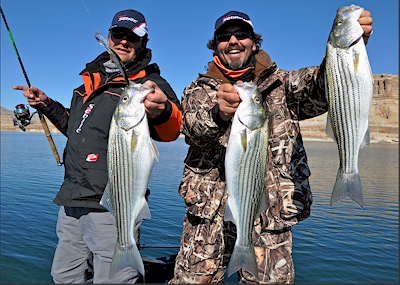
(233, 15)
(132, 20)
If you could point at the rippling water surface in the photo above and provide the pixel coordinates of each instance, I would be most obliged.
(339, 244)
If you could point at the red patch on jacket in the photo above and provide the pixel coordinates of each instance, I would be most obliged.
(92, 157)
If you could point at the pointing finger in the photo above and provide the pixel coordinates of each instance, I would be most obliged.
(19, 87)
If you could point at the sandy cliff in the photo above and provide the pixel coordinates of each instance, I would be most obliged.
(383, 119)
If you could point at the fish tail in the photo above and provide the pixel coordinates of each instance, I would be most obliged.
(126, 256)
(347, 185)
(243, 257)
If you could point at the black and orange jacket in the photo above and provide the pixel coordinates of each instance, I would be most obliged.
(87, 122)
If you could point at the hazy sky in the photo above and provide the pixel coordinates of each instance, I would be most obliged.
(55, 38)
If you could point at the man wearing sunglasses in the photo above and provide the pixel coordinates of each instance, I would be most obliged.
(86, 231)
(209, 104)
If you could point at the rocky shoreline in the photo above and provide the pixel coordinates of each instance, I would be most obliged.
(383, 119)
(311, 130)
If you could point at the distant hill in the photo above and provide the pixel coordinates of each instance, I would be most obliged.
(7, 122)
(383, 120)
(6, 112)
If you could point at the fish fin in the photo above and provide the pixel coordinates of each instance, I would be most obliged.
(126, 256)
(329, 129)
(356, 60)
(105, 200)
(228, 215)
(154, 149)
(366, 140)
(243, 139)
(347, 185)
(134, 140)
(243, 257)
(263, 203)
(144, 212)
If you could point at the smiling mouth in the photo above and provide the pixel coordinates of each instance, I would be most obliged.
(234, 50)
(122, 50)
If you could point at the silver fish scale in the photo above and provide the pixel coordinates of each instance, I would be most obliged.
(250, 176)
(130, 159)
(344, 100)
(349, 97)
(123, 170)
(245, 166)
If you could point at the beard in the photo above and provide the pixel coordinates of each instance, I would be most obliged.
(236, 64)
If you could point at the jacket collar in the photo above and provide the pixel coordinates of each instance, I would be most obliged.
(263, 61)
(133, 67)
(95, 76)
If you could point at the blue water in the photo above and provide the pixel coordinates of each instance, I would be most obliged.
(338, 244)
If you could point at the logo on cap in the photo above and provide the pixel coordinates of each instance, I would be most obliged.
(227, 18)
(126, 18)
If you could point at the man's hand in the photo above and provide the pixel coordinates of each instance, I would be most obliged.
(228, 101)
(155, 101)
(365, 21)
(36, 98)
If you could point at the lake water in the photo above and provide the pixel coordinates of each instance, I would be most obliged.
(338, 244)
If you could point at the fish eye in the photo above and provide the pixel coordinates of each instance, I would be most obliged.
(125, 98)
(339, 22)
(257, 99)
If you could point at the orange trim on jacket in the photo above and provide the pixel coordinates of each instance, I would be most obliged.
(170, 130)
(229, 72)
(90, 85)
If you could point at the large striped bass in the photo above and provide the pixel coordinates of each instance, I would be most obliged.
(245, 166)
(130, 158)
(349, 90)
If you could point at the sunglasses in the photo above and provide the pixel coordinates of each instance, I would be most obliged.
(120, 34)
(240, 35)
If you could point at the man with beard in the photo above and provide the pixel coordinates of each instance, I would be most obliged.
(209, 104)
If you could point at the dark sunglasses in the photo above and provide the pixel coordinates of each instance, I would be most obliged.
(120, 34)
(240, 35)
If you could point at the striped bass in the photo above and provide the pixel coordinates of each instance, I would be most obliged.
(130, 158)
(349, 89)
(245, 166)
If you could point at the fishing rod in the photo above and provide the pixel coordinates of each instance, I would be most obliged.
(42, 118)
(114, 56)
(144, 245)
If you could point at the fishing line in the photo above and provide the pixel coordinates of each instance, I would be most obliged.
(42, 118)
(114, 57)
(95, 27)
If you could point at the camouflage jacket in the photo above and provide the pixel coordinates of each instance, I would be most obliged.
(288, 98)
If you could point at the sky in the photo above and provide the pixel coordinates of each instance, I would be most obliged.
(55, 39)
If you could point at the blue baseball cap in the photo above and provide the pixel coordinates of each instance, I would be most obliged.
(131, 19)
(233, 15)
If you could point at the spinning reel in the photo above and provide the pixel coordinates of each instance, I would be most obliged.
(23, 115)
